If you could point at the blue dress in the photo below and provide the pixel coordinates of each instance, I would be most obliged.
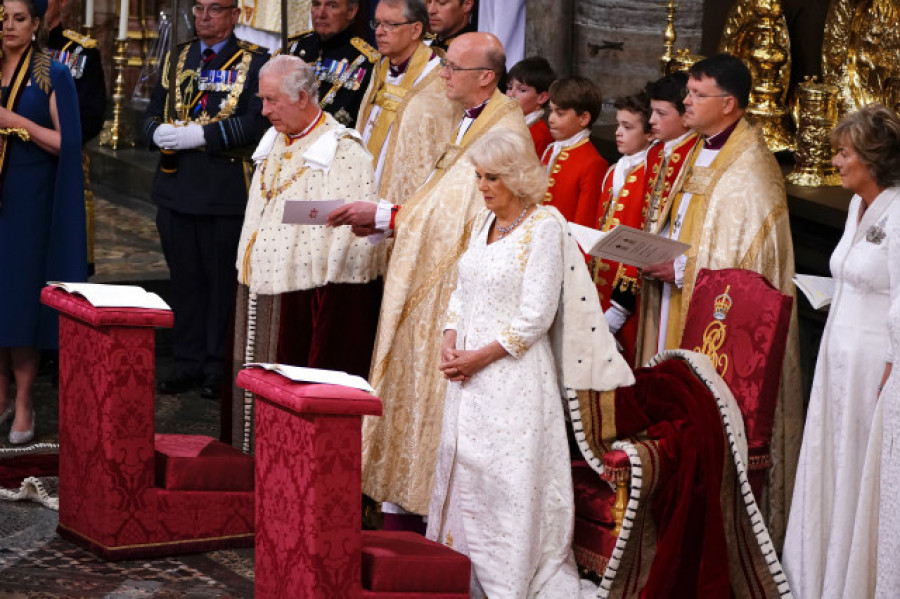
(42, 222)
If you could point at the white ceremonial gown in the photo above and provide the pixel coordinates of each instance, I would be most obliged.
(888, 572)
(854, 348)
(502, 489)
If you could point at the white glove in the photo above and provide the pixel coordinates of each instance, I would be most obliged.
(164, 136)
(188, 137)
(616, 316)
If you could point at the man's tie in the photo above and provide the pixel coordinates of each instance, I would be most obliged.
(208, 55)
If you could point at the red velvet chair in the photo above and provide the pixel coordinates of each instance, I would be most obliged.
(740, 322)
(309, 541)
(125, 492)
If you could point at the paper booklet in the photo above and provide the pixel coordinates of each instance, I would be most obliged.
(818, 290)
(114, 296)
(309, 212)
(628, 245)
(315, 375)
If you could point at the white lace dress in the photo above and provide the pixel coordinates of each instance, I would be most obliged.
(503, 488)
(855, 346)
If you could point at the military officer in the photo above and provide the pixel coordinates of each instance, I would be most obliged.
(448, 19)
(343, 63)
(206, 134)
(80, 54)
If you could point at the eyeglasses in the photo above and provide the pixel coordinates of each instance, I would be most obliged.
(388, 26)
(698, 96)
(213, 10)
(445, 64)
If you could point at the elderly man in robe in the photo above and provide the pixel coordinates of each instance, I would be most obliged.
(431, 230)
(729, 204)
(405, 108)
(308, 294)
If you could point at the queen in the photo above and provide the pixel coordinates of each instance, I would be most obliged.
(502, 490)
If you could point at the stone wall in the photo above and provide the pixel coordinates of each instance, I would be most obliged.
(618, 44)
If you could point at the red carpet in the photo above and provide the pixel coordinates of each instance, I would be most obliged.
(16, 468)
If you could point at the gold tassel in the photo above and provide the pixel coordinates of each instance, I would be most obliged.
(245, 268)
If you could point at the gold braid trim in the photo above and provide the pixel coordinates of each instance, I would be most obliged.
(191, 75)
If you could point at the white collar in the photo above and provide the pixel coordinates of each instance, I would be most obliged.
(672, 143)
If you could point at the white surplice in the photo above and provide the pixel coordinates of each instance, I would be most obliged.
(502, 489)
(854, 348)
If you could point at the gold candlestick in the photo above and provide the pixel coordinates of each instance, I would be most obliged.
(116, 132)
(767, 96)
(668, 36)
(818, 116)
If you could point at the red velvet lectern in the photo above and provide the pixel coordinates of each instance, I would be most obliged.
(308, 516)
(108, 498)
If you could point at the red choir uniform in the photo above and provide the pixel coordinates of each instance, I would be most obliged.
(660, 202)
(540, 134)
(576, 179)
(629, 207)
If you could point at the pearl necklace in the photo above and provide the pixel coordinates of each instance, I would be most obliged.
(504, 231)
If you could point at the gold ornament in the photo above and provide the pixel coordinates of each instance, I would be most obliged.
(861, 52)
(818, 116)
(756, 32)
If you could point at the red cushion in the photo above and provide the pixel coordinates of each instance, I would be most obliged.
(200, 463)
(752, 334)
(593, 497)
(593, 544)
(405, 562)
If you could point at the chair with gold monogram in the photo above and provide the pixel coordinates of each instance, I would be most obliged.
(740, 322)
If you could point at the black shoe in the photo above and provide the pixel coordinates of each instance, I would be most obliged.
(180, 383)
(212, 389)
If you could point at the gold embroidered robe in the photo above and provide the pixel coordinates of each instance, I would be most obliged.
(740, 215)
(431, 232)
(424, 115)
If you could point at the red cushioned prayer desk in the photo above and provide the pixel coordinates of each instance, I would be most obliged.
(309, 541)
(110, 458)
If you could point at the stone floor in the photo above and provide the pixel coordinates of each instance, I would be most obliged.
(34, 561)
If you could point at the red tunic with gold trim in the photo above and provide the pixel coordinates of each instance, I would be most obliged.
(661, 188)
(575, 185)
(629, 207)
(540, 134)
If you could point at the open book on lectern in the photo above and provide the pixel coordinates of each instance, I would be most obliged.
(301, 374)
(627, 245)
(114, 296)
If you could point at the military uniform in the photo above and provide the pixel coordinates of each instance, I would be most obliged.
(202, 193)
(80, 54)
(343, 65)
(443, 44)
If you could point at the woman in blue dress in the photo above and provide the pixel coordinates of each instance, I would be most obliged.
(42, 228)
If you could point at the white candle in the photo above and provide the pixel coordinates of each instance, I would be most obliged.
(89, 13)
(123, 20)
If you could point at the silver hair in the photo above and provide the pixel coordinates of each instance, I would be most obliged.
(413, 10)
(512, 158)
(295, 76)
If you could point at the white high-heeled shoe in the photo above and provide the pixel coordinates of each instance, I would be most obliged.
(21, 437)
(7, 413)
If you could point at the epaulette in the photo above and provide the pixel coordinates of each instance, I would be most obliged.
(300, 36)
(251, 47)
(81, 40)
(364, 47)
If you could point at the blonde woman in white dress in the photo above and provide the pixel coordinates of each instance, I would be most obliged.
(502, 490)
(827, 515)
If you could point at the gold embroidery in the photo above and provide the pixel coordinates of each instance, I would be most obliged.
(713, 338)
(449, 540)
(41, 71)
